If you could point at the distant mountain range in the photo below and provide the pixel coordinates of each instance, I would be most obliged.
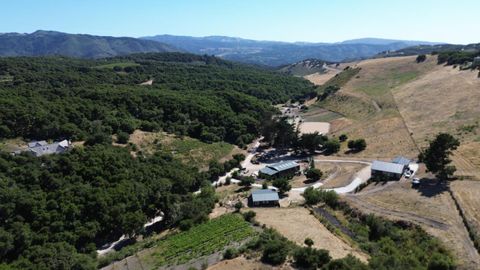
(75, 45)
(272, 53)
(266, 53)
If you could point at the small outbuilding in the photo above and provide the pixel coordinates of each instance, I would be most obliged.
(263, 197)
(387, 170)
(281, 169)
(42, 148)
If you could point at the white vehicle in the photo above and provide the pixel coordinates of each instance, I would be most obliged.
(408, 174)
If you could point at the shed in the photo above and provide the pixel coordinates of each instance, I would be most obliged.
(387, 169)
(40, 149)
(263, 197)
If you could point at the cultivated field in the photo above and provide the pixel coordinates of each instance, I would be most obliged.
(312, 127)
(198, 243)
(297, 224)
(429, 206)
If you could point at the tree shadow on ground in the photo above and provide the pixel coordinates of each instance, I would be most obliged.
(431, 187)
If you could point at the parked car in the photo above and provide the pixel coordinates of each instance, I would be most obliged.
(408, 174)
(415, 182)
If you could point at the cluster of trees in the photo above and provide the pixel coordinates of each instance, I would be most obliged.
(282, 134)
(70, 204)
(216, 169)
(200, 96)
(313, 196)
(457, 57)
(421, 58)
(357, 145)
(437, 156)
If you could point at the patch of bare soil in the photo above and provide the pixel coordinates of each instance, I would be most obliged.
(312, 127)
(430, 206)
(149, 82)
(297, 224)
(344, 174)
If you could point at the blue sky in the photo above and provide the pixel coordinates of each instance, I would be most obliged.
(453, 21)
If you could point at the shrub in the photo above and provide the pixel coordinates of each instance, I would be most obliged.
(343, 137)
(238, 206)
(357, 145)
(122, 137)
(230, 253)
(275, 252)
(332, 146)
(282, 184)
(314, 174)
(313, 196)
(249, 215)
(310, 258)
(421, 58)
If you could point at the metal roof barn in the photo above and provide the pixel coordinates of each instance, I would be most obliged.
(401, 160)
(264, 195)
(383, 166)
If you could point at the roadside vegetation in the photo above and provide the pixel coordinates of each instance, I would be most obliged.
(391, 245)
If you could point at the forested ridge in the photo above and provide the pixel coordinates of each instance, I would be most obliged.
(200, 96)
(56, 210)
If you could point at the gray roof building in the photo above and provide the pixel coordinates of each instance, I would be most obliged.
(36, 143)
(388, 167)
(279, 167)
(264, 195)
(401, 160)
(40, 148)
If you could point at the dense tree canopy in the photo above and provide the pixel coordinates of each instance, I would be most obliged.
(200, 96)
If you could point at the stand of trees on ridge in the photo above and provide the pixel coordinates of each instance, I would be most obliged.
(199, 96)
(55, 211)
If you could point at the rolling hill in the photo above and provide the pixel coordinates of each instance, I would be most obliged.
(272, 53)
(42, 43)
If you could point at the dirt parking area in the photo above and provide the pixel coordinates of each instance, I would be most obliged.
(312, 127)
(430, 206)
(297, 224)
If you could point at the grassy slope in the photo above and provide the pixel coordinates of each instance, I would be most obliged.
(367, 102)
(187, 149)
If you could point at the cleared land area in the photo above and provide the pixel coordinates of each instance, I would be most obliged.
(430, 206)
(297, 224)
(342, 175)
(187, 149)
(312, 127)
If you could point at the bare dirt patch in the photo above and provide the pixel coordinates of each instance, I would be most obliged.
(312, 127)
(297, 224)
(344, 174)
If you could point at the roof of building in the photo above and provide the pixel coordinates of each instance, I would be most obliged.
(401, 160)
(284, 165)
(262, 195)
(272, 169)
(268, 171)
(46, 149)
(36, 143)
(387, 167)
